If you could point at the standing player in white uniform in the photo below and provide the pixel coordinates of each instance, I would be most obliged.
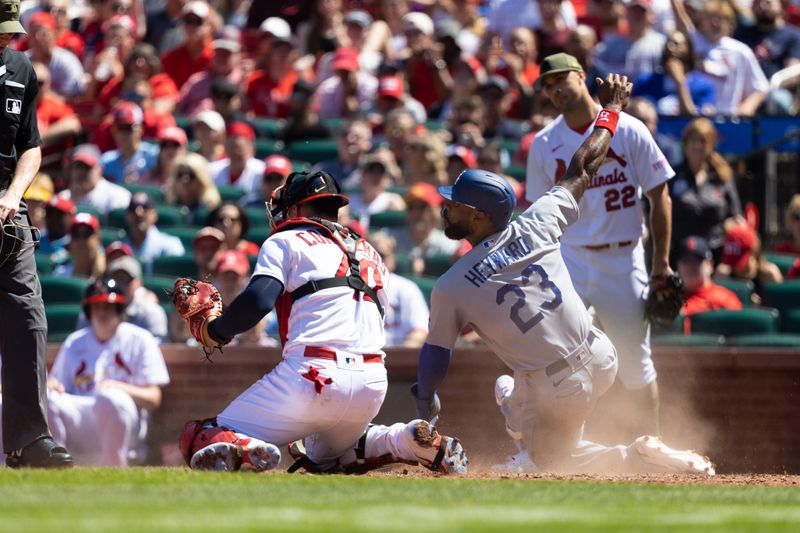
(603, 250)
(327, 287)
(535, 321)
(106, 379)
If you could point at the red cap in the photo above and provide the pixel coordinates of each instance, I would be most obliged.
(391, 86)
(233, 261)
(243, 129)
(88, 154)
(119, 246)
(345, 59)
(424, 192)
(85, 219)
(172, 134)
(43, 18)
(277, 164)
(127, 113)
(739, 242)
(65, 205)
(463, 153)
(208, 232)
(794, 272)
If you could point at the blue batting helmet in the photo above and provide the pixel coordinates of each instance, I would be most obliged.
(485, 191)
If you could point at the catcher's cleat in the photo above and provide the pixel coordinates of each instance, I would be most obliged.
(229, 457)
(655, 452)
(519, 463)
(503, 388)
(434, 451)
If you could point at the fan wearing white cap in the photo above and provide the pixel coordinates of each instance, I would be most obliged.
(208, 128)
(269, 88)
(195, 54)
(426, 71)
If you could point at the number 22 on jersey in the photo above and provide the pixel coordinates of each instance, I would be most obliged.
(520, 305)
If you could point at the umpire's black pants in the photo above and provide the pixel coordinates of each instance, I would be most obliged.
(23, 346)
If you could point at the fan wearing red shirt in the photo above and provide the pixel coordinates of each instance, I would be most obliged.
(57, 120)
(429, 80)
(270, 88)
(195, 54)
(695, 267)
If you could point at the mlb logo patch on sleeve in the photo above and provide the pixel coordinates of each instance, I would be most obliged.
(13, 106)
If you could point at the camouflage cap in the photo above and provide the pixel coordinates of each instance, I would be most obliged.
(553, 64)
(9, 17)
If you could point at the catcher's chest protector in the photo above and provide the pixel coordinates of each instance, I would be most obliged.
(347, 241)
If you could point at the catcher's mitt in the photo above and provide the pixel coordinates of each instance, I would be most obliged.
(199, 303)
(665, 299)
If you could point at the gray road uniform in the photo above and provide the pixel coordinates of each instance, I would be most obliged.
(514, 290)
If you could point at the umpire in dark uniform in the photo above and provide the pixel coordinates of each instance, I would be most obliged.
(23, 328)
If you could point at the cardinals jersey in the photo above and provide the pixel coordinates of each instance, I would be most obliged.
(337, 317)
(514, 290)
(611, 209)
(132, 355)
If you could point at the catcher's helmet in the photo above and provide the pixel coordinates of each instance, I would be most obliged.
(302, 187)
(485, 191)
(104, 291)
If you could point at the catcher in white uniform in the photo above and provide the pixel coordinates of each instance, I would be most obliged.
(538, 326)
(603, 250)
(104, 383)
(328, 288)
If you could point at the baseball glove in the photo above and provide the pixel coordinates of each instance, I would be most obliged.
(199, 303)
(665, 299)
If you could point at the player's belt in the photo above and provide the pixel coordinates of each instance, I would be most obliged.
(327, 353)
(562, 364)
(609, 246)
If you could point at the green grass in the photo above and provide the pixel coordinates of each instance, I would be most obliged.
(162, 499)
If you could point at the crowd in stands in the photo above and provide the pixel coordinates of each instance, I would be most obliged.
(168, 123)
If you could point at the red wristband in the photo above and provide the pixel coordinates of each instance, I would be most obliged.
(607, 119)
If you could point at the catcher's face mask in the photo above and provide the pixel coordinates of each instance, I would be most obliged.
(14, 240)
(301, 187)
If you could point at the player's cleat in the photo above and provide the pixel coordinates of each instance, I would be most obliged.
(519, 463)
(434, 451)
(503, 388)
(655, 452)
(229, 457)
(41, 453)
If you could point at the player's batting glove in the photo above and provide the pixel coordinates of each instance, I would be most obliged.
(199, 303)
(427, 408)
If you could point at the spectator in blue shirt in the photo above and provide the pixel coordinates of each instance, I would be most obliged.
(133, 157)
(147, 242)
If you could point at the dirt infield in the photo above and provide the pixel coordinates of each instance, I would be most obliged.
(766, 480)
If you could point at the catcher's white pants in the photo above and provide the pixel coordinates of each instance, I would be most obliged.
(615, 282)
(283, 406)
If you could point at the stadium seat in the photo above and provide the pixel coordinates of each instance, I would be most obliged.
(258, 234)
(790, 322)
(184, 233)
(750, 320)
(185, 123)
(153, 191)
(198, 218)
(301, 166)
(161, 286)
(709, 340)
(92, 211)
(743, 289)
(784, 261)
(265, 147)
(268, 127)
(168, 215)
(313, 151)
(517, 172)
(435, 125)
(388, 219)
(109, 235)
(783, 296)
(675, 327)
(230, 193)
(58, 290)
(510, 145)
(256, 215)
(334, 124)
(425, 284)
(44, 265)
(61, 320)
(772, 340)
(176, 265)
(437, 265)
(402, 264)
